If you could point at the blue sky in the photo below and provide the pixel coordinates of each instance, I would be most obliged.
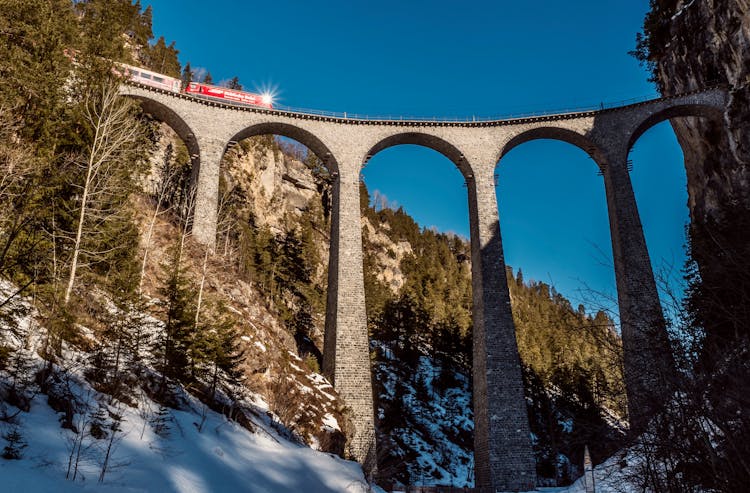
(449, 58)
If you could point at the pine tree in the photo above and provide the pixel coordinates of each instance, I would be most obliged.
(160, 422)
(117, 358)
(114, 429)
(234, 83)
(23, 212)
(172, 345)
(163, 59)
(98, 425)
(224, 350)
(293, 271)
(16, 443)
(141, 30)
(187, 75)
(376, 292)
(34, 66)
(103, 24)
(19, 368)
(266, 258)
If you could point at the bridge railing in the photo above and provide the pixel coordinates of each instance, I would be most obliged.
(575, 110)
(608, 105)
(469, 119)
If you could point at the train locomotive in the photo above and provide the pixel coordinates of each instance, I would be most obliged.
(199, 89)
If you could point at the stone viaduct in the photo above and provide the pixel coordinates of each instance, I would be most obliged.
(504, 459)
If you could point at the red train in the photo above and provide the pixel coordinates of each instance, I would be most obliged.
(229, 94)
(161, 81)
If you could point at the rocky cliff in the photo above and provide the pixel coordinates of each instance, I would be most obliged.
(694, 44)
(690, 45)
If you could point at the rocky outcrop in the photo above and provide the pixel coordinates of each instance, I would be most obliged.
(388, 254)
(281, 188)
(278, 186)
(695, 44)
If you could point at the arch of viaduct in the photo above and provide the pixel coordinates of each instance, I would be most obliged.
(504, 457)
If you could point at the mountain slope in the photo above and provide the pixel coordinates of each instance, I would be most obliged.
(148, 447)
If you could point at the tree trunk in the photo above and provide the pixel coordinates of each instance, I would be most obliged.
(200, 290)
(147, 246)
(82, 215)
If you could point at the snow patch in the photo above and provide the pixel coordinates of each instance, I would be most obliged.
(682, 9)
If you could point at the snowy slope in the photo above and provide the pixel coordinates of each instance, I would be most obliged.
(621, 473)
(220, 457)
(430, 440)
(224, 457)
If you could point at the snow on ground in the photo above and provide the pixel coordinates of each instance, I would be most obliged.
(445, 412)
(433, 420)
(438, 459)
(612, 476)
(223, 457)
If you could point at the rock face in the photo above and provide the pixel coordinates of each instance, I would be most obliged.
(698, 44)
(695, 44)
(279, 187)
(388, 254)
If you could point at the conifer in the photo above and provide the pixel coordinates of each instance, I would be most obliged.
(234, 83)
(187, 75)
(224, 352)
(13, 450)
(163, 59)
(172, 345)
(160, 422)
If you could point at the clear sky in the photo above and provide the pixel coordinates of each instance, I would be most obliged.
(450, 58)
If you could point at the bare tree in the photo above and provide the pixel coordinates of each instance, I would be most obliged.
(202, 284)
(80, 433)
(162, 190)
(228, 221)
(185, 219)
(108, 157)
(226, 225)
(115, 435)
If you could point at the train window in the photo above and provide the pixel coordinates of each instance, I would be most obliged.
(135, 73)
(146, 76)
(158, 79)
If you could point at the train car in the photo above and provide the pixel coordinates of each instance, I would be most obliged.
(234, 96)
(153, 79)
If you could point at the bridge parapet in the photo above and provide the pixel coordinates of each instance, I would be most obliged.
(473, 121)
